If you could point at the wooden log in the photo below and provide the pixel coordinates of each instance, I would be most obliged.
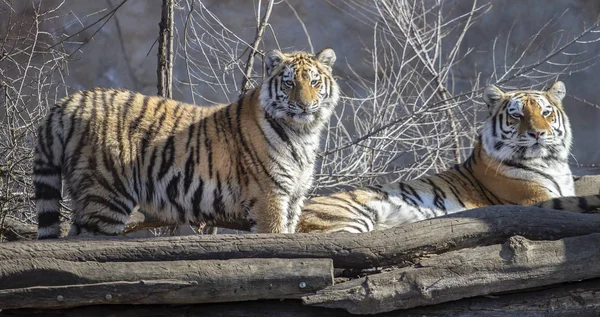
(13, 230)
(587, 185)
(380, 248)
(581, 299)
(50, 283)
(515, 265)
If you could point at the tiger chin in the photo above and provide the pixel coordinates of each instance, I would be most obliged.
(252, 159)
(521, 158)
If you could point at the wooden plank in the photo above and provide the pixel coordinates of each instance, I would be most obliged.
(50, 283)
(515, 265)
(471, 228)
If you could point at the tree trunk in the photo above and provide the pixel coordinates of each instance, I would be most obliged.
(471, 228)
(49, 283)
(165, 51)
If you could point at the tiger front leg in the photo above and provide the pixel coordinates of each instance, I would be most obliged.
(293, 213)
(270, 215)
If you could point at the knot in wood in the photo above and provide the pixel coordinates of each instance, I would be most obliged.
(516, 250)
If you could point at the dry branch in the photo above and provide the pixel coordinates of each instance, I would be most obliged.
(260, 30)
(515, 265)
(38, 283)
(380, 248)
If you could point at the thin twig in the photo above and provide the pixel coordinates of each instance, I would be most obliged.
(259, 34)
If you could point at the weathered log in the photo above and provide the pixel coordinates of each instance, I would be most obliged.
(515, 265)
(587, 185)
(12, 230)
(50, 283)
(380, 248)
(581, 299)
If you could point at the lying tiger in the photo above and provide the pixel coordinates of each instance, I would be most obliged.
(521, 158)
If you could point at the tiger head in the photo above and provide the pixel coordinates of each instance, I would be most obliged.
(526, 124)
(299, 87)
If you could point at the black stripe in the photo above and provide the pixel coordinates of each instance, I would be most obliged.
(189, 171)
(71, 121)
(439, 195)
(47, 219)
(218, 205)
(104, 219)
(452, 187)
(168, 157)
(44, 191)
(41, 168)
(197, 199)
(138, 120)
(498, 146)
(153, 130)
(477, 185)
(122, 115)
(524, 167)
(208, 146)
(113, 205)
(583, 204)
(557, 204)
(191, 129)
(150, 180)
(407, 188)
(173, 195)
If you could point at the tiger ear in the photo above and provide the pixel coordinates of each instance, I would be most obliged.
(273, 59)
(558, 90)
(492, 95)
(326, 57)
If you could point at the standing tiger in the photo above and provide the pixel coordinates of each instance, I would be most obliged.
(521, 158)
(253, 159)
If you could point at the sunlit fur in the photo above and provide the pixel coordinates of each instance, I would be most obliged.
(253, 159)
(521, 159)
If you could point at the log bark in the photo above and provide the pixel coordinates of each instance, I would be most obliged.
(471, 228)
(515, 265)
(50, 283)
(587, 185)
(579, 299)
(14, 230)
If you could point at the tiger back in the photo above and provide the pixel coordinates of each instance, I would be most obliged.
(521, 158)
(118, 150)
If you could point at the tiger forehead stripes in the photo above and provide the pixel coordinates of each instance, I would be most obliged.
(118, 150)
(521, 159)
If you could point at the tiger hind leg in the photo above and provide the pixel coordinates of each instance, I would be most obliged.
(100, 215)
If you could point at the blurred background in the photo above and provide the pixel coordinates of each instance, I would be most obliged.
(411, 71)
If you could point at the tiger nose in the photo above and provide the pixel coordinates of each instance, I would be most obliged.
(536, 134)
(303, 105)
